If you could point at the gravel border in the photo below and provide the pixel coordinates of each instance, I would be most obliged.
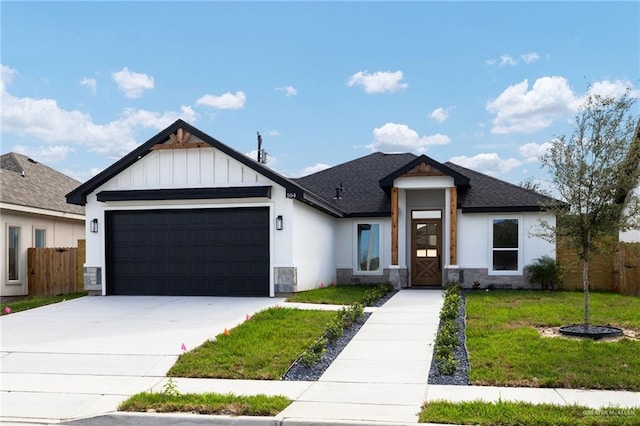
(301, 372)
(461, 375)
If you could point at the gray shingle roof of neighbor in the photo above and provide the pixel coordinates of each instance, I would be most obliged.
(40, 187)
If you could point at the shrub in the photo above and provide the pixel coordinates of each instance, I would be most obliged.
(334, 330)
(314, 353)
(447, 337)
(546, 271)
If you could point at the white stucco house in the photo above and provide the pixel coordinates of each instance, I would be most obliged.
(185, 214)
(34, 213)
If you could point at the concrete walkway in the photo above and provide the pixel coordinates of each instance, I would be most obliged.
(380, 378)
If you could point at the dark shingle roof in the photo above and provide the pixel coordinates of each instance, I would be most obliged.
(488, 194)
(364, 194)
(361, 177)
(41, 186)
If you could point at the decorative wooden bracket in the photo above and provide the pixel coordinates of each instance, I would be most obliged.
(424, 169)
(178, 140)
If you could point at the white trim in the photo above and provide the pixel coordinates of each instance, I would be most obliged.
(519, 270)
(19, 257)
(36, 210)
(356, 270)
(33, 234)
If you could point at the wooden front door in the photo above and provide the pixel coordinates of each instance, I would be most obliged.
(426, 252)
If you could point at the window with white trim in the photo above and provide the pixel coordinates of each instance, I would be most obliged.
(505, 249)
(13, 253)
(368, 247)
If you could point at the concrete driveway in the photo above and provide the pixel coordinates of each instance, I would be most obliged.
(83, 357)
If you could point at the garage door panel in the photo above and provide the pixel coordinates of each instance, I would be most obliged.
(204, 252)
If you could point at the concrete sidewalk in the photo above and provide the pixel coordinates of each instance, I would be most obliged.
(380, 378)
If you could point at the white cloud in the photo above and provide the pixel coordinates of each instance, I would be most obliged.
(394, 137)
(44, 154)
(272, 133)
(608, 88)
(318, 167)
(89, 83)
(378, 82)
(531, 152)
(225, 101)
(489, 163)
(440, 114)
(45, 120)
(507, 60)
(519, 109)
(288, 90)
(6, 75)
(530, 57)
(132, 83)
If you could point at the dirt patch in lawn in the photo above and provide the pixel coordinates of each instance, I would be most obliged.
(555, 332)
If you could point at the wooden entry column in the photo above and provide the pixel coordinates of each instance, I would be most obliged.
(394, 226)
(453, 225)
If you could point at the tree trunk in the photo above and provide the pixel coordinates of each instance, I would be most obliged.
(585, 285)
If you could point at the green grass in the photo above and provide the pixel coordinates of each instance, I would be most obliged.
(340, 294)
(262, 348)
(505, 349)
(522, 413)
(207, 403)
(36, 302)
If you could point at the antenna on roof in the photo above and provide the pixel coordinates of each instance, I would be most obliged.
(339, 191)
(263, 156)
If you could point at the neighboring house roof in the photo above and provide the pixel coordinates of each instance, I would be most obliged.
(294, 190)
(25, 182)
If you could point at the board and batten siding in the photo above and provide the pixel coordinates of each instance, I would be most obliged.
(184, 168)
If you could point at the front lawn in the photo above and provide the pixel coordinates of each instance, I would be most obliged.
(523, 413)
(342, 294)
(207, 403)
(261, 348)
(505, 349)
(36, 302)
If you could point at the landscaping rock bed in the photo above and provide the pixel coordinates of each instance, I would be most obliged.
(299, 371)
(461, 375)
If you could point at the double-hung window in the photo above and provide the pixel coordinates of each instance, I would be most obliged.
(368, 247)
(505, 249)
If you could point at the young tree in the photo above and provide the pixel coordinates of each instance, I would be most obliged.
(595, 171)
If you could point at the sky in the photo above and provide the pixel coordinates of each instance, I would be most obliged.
(485, 85)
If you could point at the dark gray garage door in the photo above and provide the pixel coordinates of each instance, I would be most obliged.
(202, 252)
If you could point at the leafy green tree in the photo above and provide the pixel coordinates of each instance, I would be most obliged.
(595, 171)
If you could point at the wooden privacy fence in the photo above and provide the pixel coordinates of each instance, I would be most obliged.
(619, 272)
(55, 271)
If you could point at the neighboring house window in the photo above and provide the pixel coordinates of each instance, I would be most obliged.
(368, 255)
(506, 247)
(39, 238)
(13, 245)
